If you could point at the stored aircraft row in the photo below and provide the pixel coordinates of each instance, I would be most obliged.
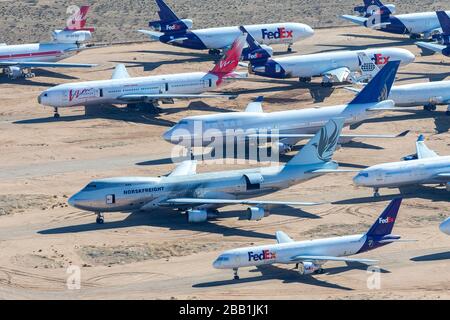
(17, 60)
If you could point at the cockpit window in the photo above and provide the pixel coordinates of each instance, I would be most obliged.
(184, 122)
(90, 187)
(363, 174)
(223, 259)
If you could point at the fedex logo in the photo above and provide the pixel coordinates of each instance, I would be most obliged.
(281, 33)
(379, 59)
(264, 255)
(82, 93)
(255, 56)
(173, 27)
(388, 220)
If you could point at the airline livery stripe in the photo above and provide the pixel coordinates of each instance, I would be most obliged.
(30, 55)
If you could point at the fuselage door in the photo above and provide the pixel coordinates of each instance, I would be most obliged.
(111, 199)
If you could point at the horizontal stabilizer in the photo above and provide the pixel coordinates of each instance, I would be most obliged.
(357, 20)
(255, 106)
(154, 35)
(439, 48)
(283, 238)
(186, 168)
(423, 152)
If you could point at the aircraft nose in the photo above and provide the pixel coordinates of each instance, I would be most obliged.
(168, 135)
(73, 201)
(409, 57)
(445, 226)
(39, 99)
(309, 31)
(216, 264)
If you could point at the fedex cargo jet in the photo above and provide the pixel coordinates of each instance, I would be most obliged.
(170, 29)
(17, 60)
(122, 89)
(378, 16)
(442, 40)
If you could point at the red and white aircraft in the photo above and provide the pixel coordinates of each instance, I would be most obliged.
(122, 89)
(17, 60)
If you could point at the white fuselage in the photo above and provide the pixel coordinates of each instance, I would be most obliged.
(110, 91)
(397, 174)
(268, 34)
(37, 52)
(422, 22)
(319, 64)
(421, 94)
(283, 253)
(304, 121)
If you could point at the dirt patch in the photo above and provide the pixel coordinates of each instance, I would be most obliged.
(36, 261)
(331, 230)
(17, 203)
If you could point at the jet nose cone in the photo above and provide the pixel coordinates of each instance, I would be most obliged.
(409, 57)
(445, 226)
(217, 264)
(309, 31)
(73, 201)
(168, 135)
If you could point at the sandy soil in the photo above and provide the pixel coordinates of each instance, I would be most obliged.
(118, 20)
(159, 255)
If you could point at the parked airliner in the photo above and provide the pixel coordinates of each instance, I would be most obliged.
(201, 194)
(426, 167)
(445, 226)
(310, 256)
(339, 66)
(416, 25)
(17, 60)
(442, 40)
(172, 30)
(287, 128)
(122, 89)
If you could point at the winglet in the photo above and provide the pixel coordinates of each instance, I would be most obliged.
(421, 138)
(255, 106)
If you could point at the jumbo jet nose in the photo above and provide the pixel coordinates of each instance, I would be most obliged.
(309, 31)
(445, 226)
(409, 57)
(74, 200)
(168, 135)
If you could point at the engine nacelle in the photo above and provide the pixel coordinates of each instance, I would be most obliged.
(306, 268)
(197, 216)
(13, 72)
(176, 26)
(255, 214)
(283, 148)
(71, 36)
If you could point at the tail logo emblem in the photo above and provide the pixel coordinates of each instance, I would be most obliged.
(327, 143)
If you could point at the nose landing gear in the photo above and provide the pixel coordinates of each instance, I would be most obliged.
(100, 218)
(376, 193)
(236, 274)
(56, 115)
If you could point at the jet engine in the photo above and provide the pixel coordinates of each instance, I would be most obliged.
(306, 268)
(283, 148)
(176, 26)
(197, 216)
(255, 214)
(70, 36)
(13, 72)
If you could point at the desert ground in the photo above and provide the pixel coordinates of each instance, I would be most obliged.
(159, 255)
(117, 21)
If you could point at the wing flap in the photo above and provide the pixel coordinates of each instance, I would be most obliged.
(200, 201)
(186, 168)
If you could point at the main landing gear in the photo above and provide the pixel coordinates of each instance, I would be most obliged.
(430, 107)
(305, 80)
(376, 193)
(56, 115)
(214, 52)
(100, 218)
(236, 274)
(289, 49)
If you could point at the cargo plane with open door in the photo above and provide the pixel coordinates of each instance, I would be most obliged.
(201, 195)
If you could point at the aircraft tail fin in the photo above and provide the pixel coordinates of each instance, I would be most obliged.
(321, 148)
(444, 19)
(77, 22)
(254, 53)
(230, 60)
(385, 223)
(379, 87)
(165, 13)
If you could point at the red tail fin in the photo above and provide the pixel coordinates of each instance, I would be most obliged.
(230, 61)
(77, 20)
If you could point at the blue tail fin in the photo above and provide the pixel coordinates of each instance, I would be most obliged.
(444, 19)
(380, 87)
(385, 223)
(165, 13)
(254, 53)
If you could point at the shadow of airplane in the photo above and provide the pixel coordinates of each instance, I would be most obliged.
(410, 192)
(441, 120)
(271, 272)
(161, 219)
(24, 82)
(432, 77)
(397, 42)
(53, 74)
(432, 257)
(109, 112)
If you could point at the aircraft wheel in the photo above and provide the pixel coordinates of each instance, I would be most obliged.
(100, 220)
(376, 195)
(327, 84)
(56, 116)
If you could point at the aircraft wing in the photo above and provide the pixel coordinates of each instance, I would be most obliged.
(45, 65)
(120, 72)
(431, 46)
(255, 106)
(199, 202)
(154, 35)
(283, 238)
(357, 20)
(186, 168)
(338, 75)
(343, 136)
(161, 96)
(423, 152)
(445, 177)
(330, 258)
